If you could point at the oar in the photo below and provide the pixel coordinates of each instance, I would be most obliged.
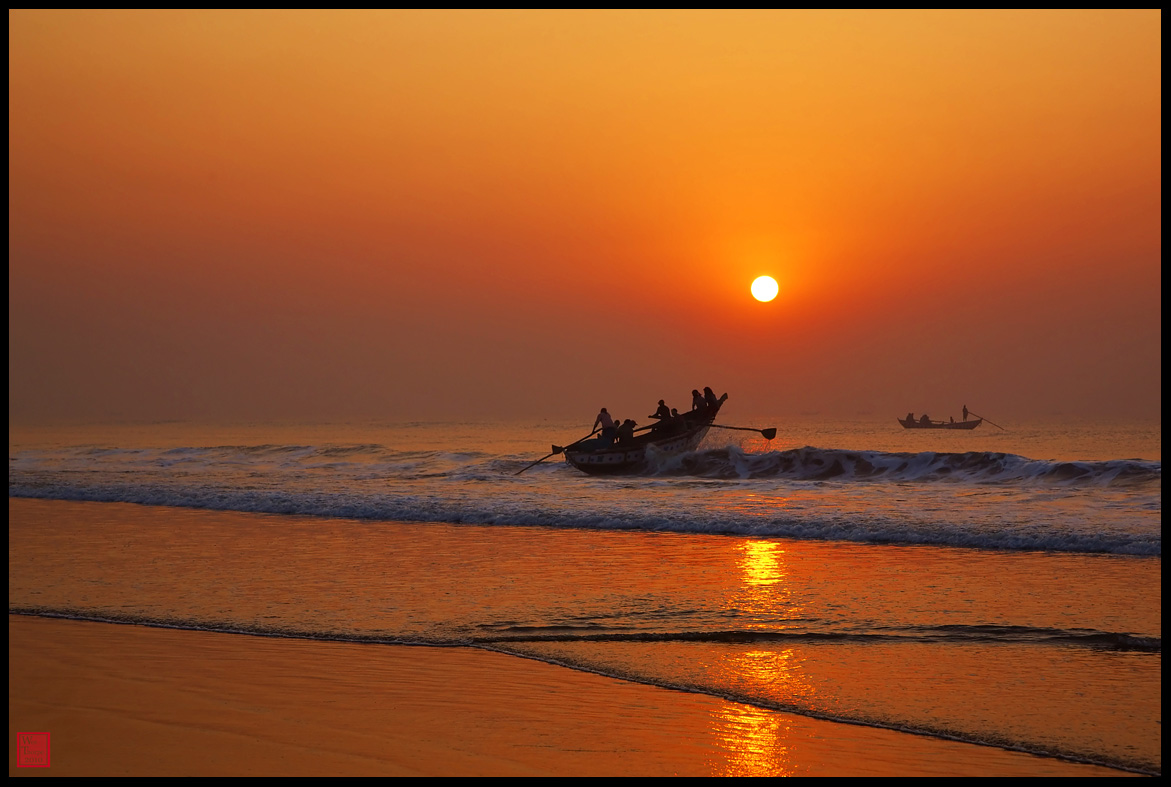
(982, 418)
(557, 449)
(768, 434)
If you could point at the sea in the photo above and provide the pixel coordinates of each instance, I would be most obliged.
(999, 587)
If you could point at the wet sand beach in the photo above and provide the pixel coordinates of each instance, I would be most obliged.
(124, 700)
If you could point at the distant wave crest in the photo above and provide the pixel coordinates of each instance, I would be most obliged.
(822, 464)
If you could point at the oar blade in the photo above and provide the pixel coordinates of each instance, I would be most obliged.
(769, 433)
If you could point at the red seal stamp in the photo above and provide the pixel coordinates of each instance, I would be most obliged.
(32, 750)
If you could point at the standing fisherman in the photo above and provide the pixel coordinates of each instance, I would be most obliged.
(608, 428)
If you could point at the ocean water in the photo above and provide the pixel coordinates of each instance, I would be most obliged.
(1000, 587)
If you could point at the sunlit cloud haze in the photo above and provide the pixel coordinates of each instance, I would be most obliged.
(457, 214)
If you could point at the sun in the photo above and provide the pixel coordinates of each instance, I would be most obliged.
(765, 288)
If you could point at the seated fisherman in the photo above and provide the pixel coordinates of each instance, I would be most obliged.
(626, 432)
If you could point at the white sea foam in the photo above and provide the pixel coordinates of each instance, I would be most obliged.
(978, 499)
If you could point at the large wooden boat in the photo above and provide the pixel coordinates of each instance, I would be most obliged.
(913, 424)
(598, 457)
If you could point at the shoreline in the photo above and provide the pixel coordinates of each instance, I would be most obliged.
(132, 700)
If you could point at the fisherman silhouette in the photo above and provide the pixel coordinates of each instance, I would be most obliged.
(663, 413)
(709, 396)
(608, 427)
(626, 431)
(662, 416)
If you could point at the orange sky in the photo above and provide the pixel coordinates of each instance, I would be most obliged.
(434, 215)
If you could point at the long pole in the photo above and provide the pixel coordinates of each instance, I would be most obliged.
(768, 434)
(556, 450)
(998, 426)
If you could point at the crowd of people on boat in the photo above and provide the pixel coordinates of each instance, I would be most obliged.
(668, 420)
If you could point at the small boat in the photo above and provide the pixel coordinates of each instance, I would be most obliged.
(910, 423)
(598, 457)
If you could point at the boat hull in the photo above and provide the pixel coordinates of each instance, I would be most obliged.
(633, 458)
(941, 424)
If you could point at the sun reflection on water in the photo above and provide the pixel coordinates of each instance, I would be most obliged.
(758, 742)
(765, 597)
(762, 563)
